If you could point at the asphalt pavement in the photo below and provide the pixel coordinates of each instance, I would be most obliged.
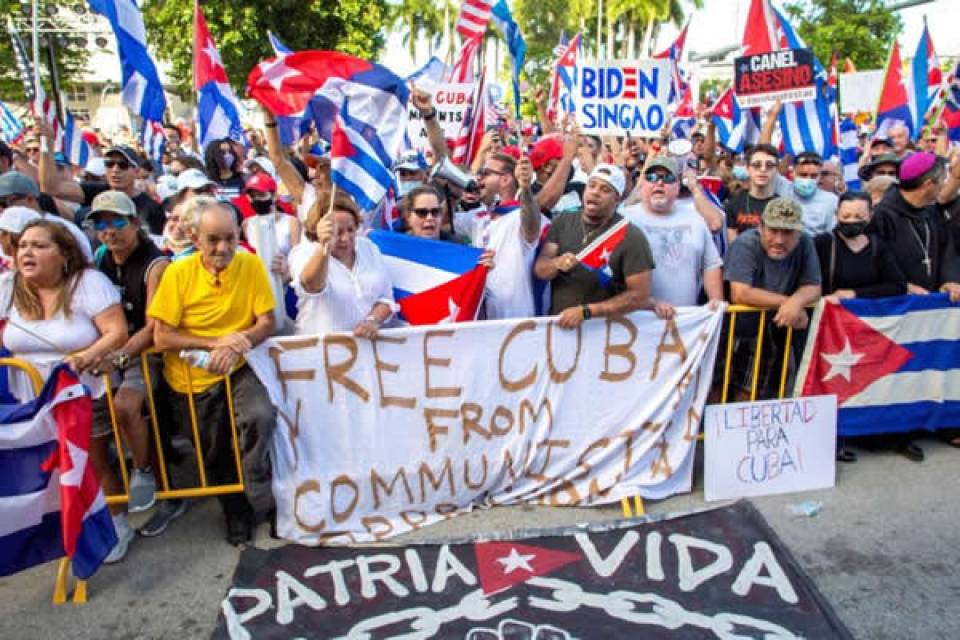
(884, 550)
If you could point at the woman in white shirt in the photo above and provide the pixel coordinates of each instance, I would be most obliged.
(340, 278)
(58, 309)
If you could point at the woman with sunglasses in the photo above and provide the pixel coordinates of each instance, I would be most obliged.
(340, 278)
(58, 309)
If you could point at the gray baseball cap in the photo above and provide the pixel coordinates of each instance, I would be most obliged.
(666, 163)
(113, 202)
(16, 183)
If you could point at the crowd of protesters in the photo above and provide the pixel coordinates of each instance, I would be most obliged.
(204, 254)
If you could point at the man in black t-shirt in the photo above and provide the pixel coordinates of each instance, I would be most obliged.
(744, 209)
(577, 292)
(121, 163)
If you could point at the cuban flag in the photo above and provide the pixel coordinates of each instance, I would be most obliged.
(516, 45)
(674, 53)
(735, 127)
(434, 71)
(893, 363)
(927, 79)
(564, 82)
(849, 156)
(363, 104)
(434, 282)
(12, 128)
(153, 139)
(50, 498)
(218, 109)
(596, 255)
(896, 103)
(279, 49)
(951, 106)
(73, 145)
(142, 89)
(684, 119)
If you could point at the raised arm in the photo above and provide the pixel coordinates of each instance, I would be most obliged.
(424, 104)
(285, 169)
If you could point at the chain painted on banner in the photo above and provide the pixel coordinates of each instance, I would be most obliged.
(426, 623)
(624, 605)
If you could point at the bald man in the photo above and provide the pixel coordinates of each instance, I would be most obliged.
(218, 301)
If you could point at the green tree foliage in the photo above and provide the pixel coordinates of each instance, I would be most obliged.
(861, 30)
(541, 22)
(240, 31)
(71, 56)
(422, 18)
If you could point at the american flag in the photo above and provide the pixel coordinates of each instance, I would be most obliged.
(467, 144)
(463, 69)
(474, 15)
(39, 103)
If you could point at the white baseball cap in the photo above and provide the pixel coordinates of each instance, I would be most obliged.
(95, 167)
(264, 163)
(192, 179)
(15, 219)
(612, 175)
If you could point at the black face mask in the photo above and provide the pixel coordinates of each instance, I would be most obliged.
(851, 229)
(262, 206)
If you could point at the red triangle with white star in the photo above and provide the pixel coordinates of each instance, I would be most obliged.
(850, 355)
(502, 565)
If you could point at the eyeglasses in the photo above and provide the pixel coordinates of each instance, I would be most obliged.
(123, 165)
(116, 223)
(665, 178)
(487, 172)
(33, 149)
(433, 212)
(763, 165)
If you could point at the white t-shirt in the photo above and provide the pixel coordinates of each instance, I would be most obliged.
(509, 291)
(682, 249)
(350, 293)
(61, 336)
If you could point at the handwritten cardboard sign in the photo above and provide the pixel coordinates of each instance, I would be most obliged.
(771, 446)
(616, 97)
(786, 75)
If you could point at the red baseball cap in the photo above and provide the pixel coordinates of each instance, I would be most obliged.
(261, 181)
(547, 148)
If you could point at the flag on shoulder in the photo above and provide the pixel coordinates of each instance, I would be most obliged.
(596, 255)
(434, 282)
(50, 498)
(893, 363)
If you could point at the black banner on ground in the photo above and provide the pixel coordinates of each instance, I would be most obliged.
(714, 574)
(786, 75)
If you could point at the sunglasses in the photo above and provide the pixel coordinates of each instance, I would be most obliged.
(488, 172)
(892, 174)
(123, 165)
(666, 178)
(433, 212)
(116, 223)
(763, 165)
(33, 149)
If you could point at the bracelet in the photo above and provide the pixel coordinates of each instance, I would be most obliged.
(431, 115)
(373, 319)
(587, 314)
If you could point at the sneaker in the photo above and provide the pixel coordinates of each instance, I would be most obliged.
(125, 536)
(167, 512)
(143, 491)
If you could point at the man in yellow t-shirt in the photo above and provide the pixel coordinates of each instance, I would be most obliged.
(219, 300)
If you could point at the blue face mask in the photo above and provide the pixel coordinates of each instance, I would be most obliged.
(804, 187)
(740, 173)
(406, 186)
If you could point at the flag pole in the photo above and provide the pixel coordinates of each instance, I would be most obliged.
(44, 143)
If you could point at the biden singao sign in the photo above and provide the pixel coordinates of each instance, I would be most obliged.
(615, 97)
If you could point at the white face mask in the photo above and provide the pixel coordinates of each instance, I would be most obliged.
(804, 187)
(406, 186)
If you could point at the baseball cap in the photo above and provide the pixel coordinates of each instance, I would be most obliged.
(95, 167)
(264, 163)
(809, 157)
(113, 202)
(260, 182)
(918, 166)
(411, 161)
(612, 175)
(16, 183)
(548, 148)
(783, 213)
(192, 179)
(126, 152)
(15, 219)
(666, 163)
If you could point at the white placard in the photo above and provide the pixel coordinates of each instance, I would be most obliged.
(860, 91)
(769, 447)
(616, 97)
(452, 101)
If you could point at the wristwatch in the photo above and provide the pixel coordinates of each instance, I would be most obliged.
(587, 314)
(121, 360)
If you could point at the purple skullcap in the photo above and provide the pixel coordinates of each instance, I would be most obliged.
(917, 165)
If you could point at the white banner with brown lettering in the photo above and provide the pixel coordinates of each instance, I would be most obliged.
(380, 437)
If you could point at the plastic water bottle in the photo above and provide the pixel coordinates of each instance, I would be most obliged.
(196, 357)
